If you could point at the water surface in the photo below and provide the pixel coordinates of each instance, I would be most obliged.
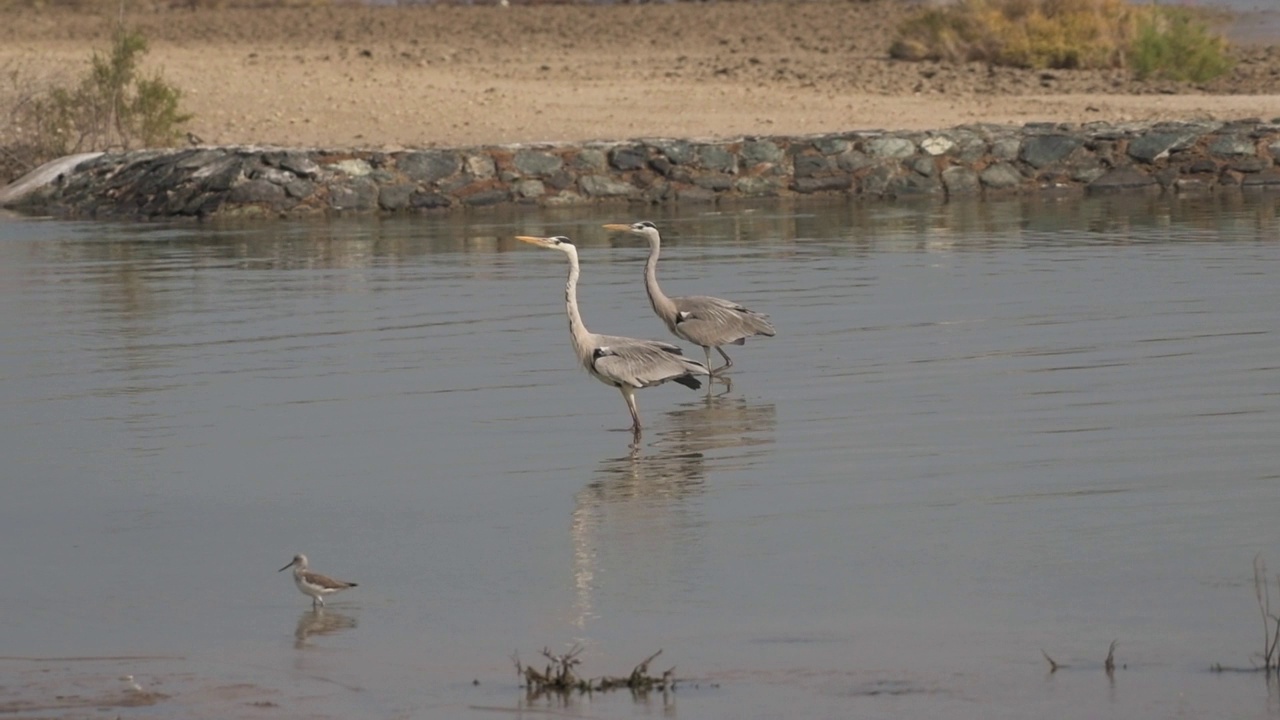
(984, 430)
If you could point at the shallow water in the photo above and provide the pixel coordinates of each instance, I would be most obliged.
(984, 430)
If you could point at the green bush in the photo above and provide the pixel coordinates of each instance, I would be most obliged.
(1174, 45)
(112, 107)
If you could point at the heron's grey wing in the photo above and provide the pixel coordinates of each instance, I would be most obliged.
(641, 363)
(713, 321)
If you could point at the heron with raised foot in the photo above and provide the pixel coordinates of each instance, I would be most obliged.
(625, 363)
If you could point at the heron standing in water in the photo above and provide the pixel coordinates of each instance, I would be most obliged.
(701, 319)
(625, 363)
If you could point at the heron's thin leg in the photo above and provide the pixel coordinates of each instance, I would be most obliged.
(728, 362)
(630, 394)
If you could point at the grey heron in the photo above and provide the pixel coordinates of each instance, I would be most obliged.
(701, 319)
(622, 362)
(313, 584)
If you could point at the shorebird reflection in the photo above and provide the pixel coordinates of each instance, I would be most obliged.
(318, 622)
(638, 519)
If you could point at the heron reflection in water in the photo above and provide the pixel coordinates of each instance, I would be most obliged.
(638, 517)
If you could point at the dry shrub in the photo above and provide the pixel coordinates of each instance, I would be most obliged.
(112, 107)
(1065, 34)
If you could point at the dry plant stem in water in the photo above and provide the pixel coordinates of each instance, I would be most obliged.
(1270, 624)
(559, 676)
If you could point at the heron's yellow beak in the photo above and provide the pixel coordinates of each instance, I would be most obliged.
(532, 240)
(621, 228)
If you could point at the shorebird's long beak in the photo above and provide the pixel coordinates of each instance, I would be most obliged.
(618, 228)
(286, 567)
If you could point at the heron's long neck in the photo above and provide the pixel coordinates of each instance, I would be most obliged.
(577, 331)
(662, 304)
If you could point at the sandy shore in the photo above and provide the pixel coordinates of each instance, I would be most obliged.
(448, 76)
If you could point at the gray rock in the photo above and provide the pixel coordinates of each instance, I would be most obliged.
(717, 159)
(220, 175)
(1001, 176)
(670, 170)
(481, 167)
(961, 181)
(756, 152)
(360, 194)
(486, 197)
(757, 186)
(970, 146)
(1006, 148)
(1202, 165)
(536, 163)
(718, 183)
(200, 159)
(429, 166)
(678, 152)
(831, 145)
(428, 200)
(657, 192)
(822, 184)
(560, 180)
(853, 160)
(395, 197)
(256, 191)
(1157, 145)
(530, 189)
(877, 181)
(937, 145)
(922, 165)
(1274, 149)
(913, 184)
(628, 158)
(1088, 172)
(299, 189)
(590, 159)
(298, 164)
(603, 186)
(807, 166)
(273, 175)
(354, 167)
(1231, 146)
(890, 147)
(1122, 179)
(1040, 151)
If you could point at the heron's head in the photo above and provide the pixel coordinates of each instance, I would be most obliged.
(644, 229)
(558, 242)
(298, 560)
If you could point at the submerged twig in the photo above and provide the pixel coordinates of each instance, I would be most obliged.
(1270, 624)
(1110, 663)
(1053, 666)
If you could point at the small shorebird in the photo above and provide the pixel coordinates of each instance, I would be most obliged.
(313, 584)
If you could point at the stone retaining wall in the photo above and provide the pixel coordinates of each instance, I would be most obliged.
(963, 161)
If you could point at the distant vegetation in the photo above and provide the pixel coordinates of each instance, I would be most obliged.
(1152, 41)
(113, 106)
